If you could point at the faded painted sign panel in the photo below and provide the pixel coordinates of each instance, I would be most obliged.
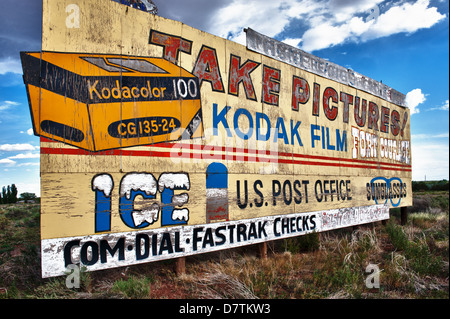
(111, 101)
(159, 140)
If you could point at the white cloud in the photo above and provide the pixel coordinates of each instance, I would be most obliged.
(9, 65)
(405, 18)
(292, 41)
(443, 107)
(328, 22)
(30, 131)
(345, 26)
(328, 35)
(428, 136)
(413, 99)
(27, 155)
(29, 164)
(17, 147)
(7, 161)
(265, 16)
(7, 104)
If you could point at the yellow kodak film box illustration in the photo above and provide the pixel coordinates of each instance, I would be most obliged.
(99, 102)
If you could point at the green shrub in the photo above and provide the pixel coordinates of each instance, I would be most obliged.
(309, 242)
(417, 253)
(133, 287)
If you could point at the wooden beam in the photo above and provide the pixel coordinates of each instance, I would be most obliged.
(404, 215)
(262, 247)
(180, 266)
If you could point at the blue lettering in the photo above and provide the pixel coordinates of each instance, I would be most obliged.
(282, 134)
(126, 208)
(314, 137)
(262, 123)
(322, 133)
(220, 118)
(329, 147)
(294, 132)
(244, 136)
(259, 136)
(341, 142)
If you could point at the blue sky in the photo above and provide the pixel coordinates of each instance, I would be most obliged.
(403, 43)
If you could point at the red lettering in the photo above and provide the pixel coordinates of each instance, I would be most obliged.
(360, 111)
(384, 126)
(172, 45)
(347, 99)
(330, 112)
(372, 121)
(316, 99)
(241, 74)
(271, 85)
(395, 120)
(300, 92)
(207, 68)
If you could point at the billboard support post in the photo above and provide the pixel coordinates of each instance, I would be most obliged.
(262, 248)
(180, 266)
(403, 215)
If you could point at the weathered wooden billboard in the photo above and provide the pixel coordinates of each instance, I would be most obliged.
(160, 141)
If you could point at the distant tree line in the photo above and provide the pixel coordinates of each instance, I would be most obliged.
(442, 185)
(9, 194)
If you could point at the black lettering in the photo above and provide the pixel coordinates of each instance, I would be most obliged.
(369, 191)
(196, 238)
(341, 187)
(398, 190)
(231, 228)
(239, 203)
(348, 189)
(287, 200)
(319, 195)
(166, 244)
(332, 189)
(154, 245)
(305, 223)
(277, 192)
(252, 231)
(220, 235)
(85, 256)
(68, 252)
(325, 189)
(104, 247)
(298, 221)
(241, 232)
(337, 190)
(208, 239)
(178, 249)
(139, 253)
(285, 225)
(262, 229)
(292, 224)
(275, 222)
(258, 192)
(305, 183)
(297, 191)
(313, 222)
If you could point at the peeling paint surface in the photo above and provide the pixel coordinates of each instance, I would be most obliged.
(122, 249)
